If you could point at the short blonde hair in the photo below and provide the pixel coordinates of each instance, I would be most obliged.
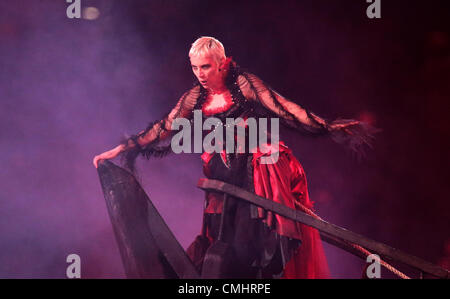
(207, 45)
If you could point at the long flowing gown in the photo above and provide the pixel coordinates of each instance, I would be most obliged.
(264, 245)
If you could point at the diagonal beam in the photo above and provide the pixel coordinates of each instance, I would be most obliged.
(330, 230)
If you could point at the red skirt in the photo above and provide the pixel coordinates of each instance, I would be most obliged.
(283, 182)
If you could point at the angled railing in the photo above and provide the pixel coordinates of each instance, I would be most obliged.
(331, 233)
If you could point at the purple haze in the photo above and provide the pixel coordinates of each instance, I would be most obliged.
(70, 89)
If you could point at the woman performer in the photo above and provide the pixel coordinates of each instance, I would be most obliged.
(264, 245)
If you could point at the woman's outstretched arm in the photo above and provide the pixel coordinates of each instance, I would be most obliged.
(353, 133)
(155, 132)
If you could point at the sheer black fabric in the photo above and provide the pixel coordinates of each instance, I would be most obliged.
(149, 142)
(252, 98)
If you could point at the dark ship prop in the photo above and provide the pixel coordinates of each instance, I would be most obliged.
(149, 249)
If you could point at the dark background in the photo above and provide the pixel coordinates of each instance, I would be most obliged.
(70, 88)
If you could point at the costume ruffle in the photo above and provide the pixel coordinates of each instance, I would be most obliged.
(285, 183)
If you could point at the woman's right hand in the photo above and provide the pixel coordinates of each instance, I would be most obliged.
(111, 154)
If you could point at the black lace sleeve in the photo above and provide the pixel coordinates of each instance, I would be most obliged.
(150, 142)
(356, 135)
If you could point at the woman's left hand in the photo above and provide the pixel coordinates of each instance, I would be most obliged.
(344, 125)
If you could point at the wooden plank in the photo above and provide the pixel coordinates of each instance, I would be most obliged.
(328, 228)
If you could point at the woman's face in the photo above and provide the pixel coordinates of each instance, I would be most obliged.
(206, 70)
